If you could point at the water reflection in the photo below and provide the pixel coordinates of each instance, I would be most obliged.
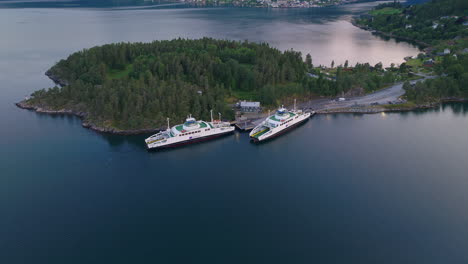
(397, 40)
(119, 142)
(457, 108)
(290, 133)
(357, 115)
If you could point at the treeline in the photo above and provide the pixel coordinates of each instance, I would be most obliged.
(362, 78)
(394, 4)
(370, 78)
(131, 104)
(138, 85)
(429, 22)
(236, 65)
(452, 84)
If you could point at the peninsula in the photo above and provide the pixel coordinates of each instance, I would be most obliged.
(130, 88)
(441, 27)
(134, 87)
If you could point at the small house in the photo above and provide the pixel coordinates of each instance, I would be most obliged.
(429, 63)
(246, 106)
(443, 53)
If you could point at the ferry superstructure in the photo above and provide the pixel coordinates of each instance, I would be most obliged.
(191, 131)
(279, 123)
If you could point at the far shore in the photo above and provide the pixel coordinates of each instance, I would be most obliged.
(420, 44)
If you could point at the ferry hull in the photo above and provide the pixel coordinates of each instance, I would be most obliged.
(190, 141)
(256, 140)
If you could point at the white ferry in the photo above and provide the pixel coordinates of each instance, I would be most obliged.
(279, 123)
(190, 132)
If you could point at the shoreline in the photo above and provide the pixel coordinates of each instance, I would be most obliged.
(196, 4)
(84, 122)
(420, 44)
(56, 79)
(368, 109)
(377, 110)
(114, 131)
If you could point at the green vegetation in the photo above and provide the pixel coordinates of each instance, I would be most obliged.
(452, 84)
(118, 73)
(439, 23)
(136, 86)
(407, 105)
(415, 63)
(430, 23)
(362, 78)
(385, 11)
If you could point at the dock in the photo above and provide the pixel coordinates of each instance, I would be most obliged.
(249, 124)
(245, 125)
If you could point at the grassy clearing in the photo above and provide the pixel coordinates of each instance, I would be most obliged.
(415, 77)
(414, 62)
(245, 95)
(117, 74)
(385, 11)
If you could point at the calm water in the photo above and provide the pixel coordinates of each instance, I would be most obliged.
(340, 189)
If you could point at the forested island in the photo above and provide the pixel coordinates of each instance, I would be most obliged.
(441, 26)
(130, 86)
(133, 87)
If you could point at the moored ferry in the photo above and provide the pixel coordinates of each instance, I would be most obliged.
(191, 131)
(279, 123)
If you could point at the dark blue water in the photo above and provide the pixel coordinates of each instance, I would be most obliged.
(340, 189)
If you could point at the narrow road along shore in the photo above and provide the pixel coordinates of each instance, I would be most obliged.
(360, 104)
(381, 97)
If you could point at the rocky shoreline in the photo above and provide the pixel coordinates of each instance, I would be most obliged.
(374, 110)
(56, 79)
(380, 109)
(347, 110)
(84, 122)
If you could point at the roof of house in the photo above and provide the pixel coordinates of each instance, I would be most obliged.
(249, 104)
